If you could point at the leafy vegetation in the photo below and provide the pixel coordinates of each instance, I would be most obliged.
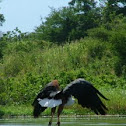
(66, 48)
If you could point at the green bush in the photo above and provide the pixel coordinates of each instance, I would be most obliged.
(100, 33)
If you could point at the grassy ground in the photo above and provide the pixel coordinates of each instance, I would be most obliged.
(116, 106)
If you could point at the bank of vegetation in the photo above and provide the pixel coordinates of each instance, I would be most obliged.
(66, 49)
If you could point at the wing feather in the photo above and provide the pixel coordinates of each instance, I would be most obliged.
(87, 95)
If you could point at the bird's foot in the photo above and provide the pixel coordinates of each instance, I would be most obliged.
(58, 123)
(50, 124)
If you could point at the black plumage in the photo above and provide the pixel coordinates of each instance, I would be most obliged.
(86, 94)
(44, 93)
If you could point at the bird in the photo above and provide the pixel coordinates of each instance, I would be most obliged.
(52, 97)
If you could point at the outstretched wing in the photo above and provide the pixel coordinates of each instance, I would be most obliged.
(87, 95)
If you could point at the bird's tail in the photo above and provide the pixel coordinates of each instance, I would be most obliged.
(37, 109)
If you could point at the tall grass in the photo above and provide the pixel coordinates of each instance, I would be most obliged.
(58, 58)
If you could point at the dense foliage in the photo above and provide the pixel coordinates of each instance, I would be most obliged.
(28, 62)
(72, 22)
(26, 66)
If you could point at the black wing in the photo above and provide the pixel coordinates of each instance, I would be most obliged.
(87, 95)
(44, 93)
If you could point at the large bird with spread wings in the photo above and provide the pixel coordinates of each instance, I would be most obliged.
(51, 96)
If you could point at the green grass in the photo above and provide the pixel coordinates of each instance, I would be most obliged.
(117, 102)
(16, 110)
(116, 106)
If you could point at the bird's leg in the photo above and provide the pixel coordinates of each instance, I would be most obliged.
(52, 113)
(60, 109)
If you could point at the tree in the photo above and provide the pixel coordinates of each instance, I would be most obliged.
(112, 8)
(2, 19)
(58, 25)
(88, 15)
(83, 6)
(70, 23)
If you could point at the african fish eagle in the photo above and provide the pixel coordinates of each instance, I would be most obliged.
(51, 96)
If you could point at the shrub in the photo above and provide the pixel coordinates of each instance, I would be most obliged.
(100, 33)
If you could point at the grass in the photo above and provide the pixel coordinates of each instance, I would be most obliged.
(16, 110)
(116, 106)
(54, 60)
(117, 103)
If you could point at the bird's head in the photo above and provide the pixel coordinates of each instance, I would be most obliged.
(56, 84)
